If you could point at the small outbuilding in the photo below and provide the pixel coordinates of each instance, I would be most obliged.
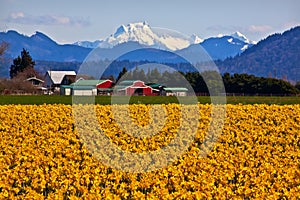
(175, 91)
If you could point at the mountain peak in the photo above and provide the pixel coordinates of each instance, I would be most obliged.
(122, 29)
(39, 36)
(144, 34)
(130, 28)
(238, 35)
(13, 32)
(135, 32)
(138, 24)
(195, 39)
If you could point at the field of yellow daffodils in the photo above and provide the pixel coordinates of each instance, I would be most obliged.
(43, 156)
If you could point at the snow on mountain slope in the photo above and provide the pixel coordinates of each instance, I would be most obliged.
(142, 33)
(195, 39)
(165, 39)
(242, 37)
(220, 47)
(136, 32)
(88, 44)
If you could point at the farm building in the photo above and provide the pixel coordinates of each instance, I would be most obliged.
(167, 91)
(35, 81)
(38, 84)
(157, 89)
(54, 79)
(133, 87)
(175, 91)
(87, 87)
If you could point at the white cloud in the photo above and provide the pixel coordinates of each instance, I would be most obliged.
(61, 20)
(22, 18)
(16, 15)
(222, 28)
(248, 29)
(291, 24)
(259, 28)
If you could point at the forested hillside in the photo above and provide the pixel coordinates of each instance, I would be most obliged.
(277, 56)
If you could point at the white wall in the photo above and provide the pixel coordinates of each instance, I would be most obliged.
(85, 92)
(67, 91)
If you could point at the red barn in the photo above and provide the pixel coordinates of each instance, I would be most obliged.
(104, 84)
(131, 87)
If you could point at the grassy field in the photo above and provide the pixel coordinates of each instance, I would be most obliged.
(103, 100)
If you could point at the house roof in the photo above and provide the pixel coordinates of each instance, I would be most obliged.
(83, 87)
(57, 76)
(155, 85)
(88, 82)
(35, 78)
(128, 82)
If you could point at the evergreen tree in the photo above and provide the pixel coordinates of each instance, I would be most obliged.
(298, 85)
(122, 73)
(135, 74)
(142, 76)
(21, 63)
(154, 76)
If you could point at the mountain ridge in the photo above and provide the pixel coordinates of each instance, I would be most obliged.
(159, 38)
(276, 56)
(42, 47)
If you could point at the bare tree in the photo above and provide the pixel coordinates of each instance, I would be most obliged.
(3, 48)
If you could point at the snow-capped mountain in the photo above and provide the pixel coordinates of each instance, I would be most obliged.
(44, 48)
(142, 33)
(48, 53)
(218, 48)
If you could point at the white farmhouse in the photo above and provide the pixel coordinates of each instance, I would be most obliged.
(53, 79)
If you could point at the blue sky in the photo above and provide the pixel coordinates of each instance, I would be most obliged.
(67, 21)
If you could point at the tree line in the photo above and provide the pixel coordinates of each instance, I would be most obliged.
(23, 68)
(233, 83)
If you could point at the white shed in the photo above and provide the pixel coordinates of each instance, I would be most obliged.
(176, 91)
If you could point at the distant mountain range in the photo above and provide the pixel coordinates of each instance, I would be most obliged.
(41, 47)
(218, 48)
(277, 54)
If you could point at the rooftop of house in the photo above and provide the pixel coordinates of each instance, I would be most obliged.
(128, 82)
(176, 89)
(155, 85)
(57, 76)
(88, 82)
(35, 78)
